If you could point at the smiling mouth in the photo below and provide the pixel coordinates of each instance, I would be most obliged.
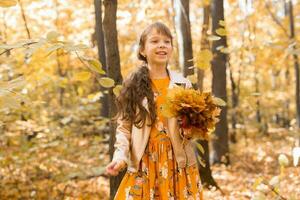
(161, 53)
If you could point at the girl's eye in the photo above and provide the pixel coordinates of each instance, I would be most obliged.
(154, 41)
(167, 41)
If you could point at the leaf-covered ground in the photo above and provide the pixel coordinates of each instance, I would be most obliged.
(255, 159)
(66, 162)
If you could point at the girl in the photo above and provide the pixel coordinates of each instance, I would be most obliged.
(159, 166)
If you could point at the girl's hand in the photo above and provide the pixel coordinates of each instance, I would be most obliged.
(114, 167)
(185, 132)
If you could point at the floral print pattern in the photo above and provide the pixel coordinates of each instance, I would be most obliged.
(159, 177)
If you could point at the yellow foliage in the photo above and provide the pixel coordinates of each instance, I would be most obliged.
(8, 3)
(52, 36)
(106, 82)
(205, 3)
(221, 31)
(117, 90)
(82, 76)
(203, 59)
(96, 66)
(222, 23)
(213, 38)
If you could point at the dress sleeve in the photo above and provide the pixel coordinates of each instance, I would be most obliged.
(123, 138)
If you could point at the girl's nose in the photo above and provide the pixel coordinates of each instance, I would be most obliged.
(162, 45)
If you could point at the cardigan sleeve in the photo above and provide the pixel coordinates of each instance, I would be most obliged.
(123, 138)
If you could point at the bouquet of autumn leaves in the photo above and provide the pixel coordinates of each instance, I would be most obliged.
(196, 111)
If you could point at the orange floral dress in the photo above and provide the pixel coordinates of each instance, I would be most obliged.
(159, 177)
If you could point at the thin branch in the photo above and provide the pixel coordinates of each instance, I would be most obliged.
(26, 45)
(276, 20)
(24, 19)
(7, 50)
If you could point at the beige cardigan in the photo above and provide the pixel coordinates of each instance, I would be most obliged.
(131, 141)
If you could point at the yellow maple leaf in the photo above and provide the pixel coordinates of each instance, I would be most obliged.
(221, 32)
(107, 82)
(82, 76)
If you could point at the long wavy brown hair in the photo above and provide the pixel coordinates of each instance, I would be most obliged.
(139, 85)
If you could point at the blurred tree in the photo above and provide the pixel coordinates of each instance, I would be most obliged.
(204, 166)
(99, 37)
(184, 38)
(220, 140)
(296, 62)
(59, 53)
(113, 71)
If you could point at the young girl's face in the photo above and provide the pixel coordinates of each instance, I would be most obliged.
(157, 48)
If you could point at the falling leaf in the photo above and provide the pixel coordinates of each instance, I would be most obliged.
(221, 32)
(52, 36)
(96, 66)
(200, 147)
(117, 90)
(106, 82)
(219, 101)
(222, 23)
(256, 94)
(219, 47)
(80, 91)
(213, 38)
(201, 161)
(225, 50)
(82, 76)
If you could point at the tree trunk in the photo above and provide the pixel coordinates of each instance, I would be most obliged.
(184, 38)
(220, 142)
(113, 71)
(205, 171)
(235, 93)
(59, 53)
(296, 65)
(286, 103)
(235, 101)
(101, 51)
